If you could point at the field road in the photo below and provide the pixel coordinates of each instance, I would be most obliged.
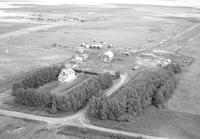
(78, 119)
(117, 85)
(181, 39)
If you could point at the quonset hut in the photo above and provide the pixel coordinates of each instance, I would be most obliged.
(108, 56)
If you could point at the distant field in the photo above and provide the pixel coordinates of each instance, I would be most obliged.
(136, 27)
(9, 26)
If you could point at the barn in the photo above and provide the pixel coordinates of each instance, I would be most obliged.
(108, 56)
(66, 75)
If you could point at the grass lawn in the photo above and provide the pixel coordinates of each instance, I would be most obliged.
(63, 88)
(48, 87)
(58, 88)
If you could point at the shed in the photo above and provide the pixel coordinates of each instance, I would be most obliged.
(87, 46)
(108, 56)
(66, 75)
(84, 56)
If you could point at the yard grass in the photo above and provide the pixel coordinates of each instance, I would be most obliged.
(63, 88)
(58, 88)
(48, 87)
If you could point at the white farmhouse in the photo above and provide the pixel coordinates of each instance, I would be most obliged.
(66, 75)
(108, 56)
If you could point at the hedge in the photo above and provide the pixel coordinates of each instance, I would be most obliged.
(38, 78)
(25, 91)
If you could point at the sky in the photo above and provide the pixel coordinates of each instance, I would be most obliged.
(190, 3)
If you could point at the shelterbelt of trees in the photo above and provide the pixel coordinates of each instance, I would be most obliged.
(150, 87)
(25, 91)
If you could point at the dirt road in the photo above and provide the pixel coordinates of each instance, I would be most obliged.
(119, 84)
(77, 119)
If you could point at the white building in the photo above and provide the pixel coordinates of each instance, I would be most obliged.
(84, 56)
(108, 56)
(85, 45)
(66, 75)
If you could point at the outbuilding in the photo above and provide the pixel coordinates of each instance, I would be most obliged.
(108, 56)
(66, 75)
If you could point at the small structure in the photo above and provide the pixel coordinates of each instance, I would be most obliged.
(78, 58)
(85, 45)
(81, 50)
(66, 75)
(108, 56)
(110, 45)
(84, 56)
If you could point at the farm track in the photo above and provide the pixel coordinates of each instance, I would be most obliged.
(79, 118)
(178, 41)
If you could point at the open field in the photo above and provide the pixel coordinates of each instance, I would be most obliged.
(137, 27)
(187, 95)
(7, 26)
(12, 128)
(163, 123)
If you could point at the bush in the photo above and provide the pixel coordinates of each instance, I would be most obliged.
(164, 93)
(117, 75)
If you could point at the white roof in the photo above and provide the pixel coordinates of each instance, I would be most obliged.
(68, 70)
(96, 45)
(110, 54)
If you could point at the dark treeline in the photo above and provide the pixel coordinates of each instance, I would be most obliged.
(164, 93)
(150, 87)
(38, 78)
(26, 93)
